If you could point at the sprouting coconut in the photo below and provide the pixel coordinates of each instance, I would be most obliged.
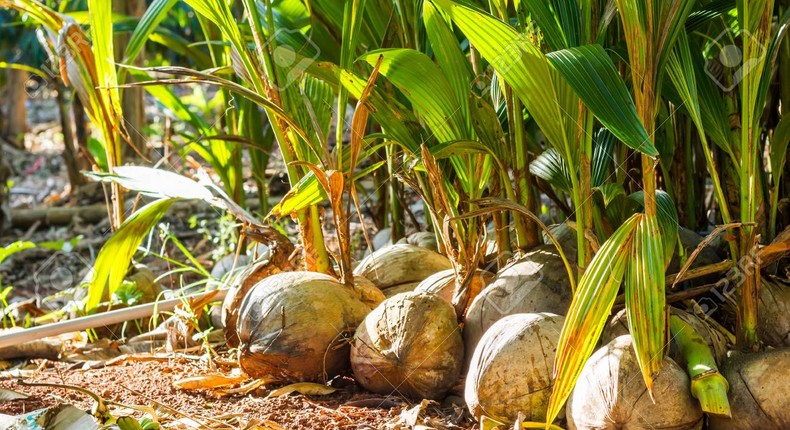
(758, 391)
(275, 258)
(611, 394)
(442, 283)
(512, 366)
(401, 264)
(716, 340)
(537, 283)
(411, 344)
(773, 315)
(294, 326)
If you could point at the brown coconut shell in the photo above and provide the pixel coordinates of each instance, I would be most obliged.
(400, 264)
(536, 283)
(442, 283)
(410, 345)
(422, 239)
(408, 287)
(367, 292)
(758, 391)
(611, 394)
(773, 316)
(295, 326)
(239, 287)
(512, 366)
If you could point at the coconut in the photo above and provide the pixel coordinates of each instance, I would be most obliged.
(442, 283)
(773, 313)
(716, 340)
(773, 316)
(294, 326)
(367, 292)
(411, 344)
(382, 239)
(401, 288)
(239, 287)
(536, 283)
(757, 382)
(611, 394)
(400, 264)
(422, 239)
(512, 366)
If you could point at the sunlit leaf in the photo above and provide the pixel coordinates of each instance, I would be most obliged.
(645, 298)
(589, 311)
(113, 260)
(306, 388)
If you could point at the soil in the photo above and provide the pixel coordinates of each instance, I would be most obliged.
(150, 383)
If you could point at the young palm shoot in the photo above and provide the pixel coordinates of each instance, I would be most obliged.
(707, 384)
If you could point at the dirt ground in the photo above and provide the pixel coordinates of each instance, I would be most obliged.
(150, 383)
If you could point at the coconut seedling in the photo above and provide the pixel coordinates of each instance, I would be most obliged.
(510, 374)
(638, 250)
(83, 65)
(411, 345)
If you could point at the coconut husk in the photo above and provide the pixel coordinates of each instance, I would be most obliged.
(400, 264)
(367, 292)
(536, 283)
(442, 283)
(399, 289)
(422, 239)
(773, 315)
(276, 251)
(411, 344)
(758, 391)
(294, 326)
(240, 286)
(512, 366)
(611, 394)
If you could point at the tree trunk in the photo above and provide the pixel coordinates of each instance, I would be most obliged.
(5, 211)
(16, 113)
(70, 154)
(132, 99)
(81, 130)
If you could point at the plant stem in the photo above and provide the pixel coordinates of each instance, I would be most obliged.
(397, 229)
(526, 230)
(707, 384)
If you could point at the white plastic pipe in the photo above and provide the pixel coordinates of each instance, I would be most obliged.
(102, 319)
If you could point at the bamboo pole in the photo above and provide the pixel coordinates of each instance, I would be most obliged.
(102, 319)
